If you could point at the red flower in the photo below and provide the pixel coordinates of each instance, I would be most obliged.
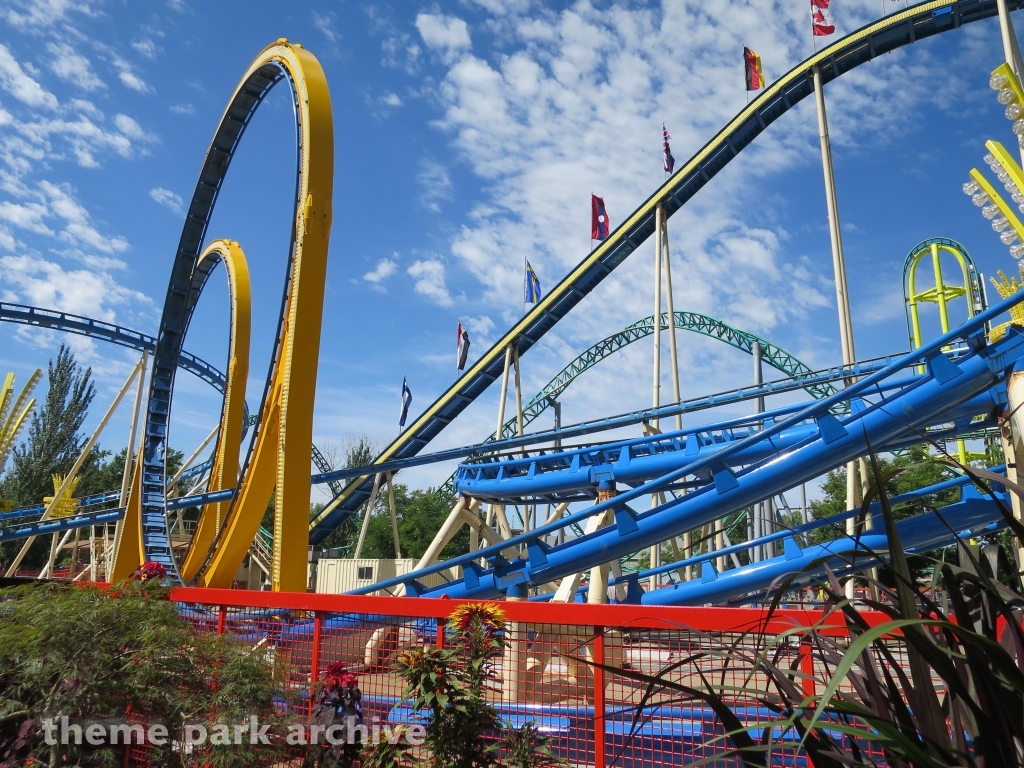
(337, 676)
(151, 570)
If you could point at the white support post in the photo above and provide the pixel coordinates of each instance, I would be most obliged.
(656, 385)
(504, 392)
(1012, 433)
(757, 510)
(842, 293)
(519, 397)
(673, 357)
(129, 455)
(394, 517)
(659, 216)
(86, 450)
(719, 544)
(368, 512)
(173, 485)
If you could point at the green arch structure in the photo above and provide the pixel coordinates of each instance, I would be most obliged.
(771, 354)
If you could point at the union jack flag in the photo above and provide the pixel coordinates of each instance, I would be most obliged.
(667, 162)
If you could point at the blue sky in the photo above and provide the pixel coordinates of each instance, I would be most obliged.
(469, 135)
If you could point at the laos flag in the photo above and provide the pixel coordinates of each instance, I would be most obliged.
(598, 219)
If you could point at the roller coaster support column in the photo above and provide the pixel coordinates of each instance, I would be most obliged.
(839, 267)
(498, 510)
(1012, 430)
(671, 324)
(659, 218)
(598, 591)
(754, 530)
(366, 517)
(394, 517)
(126, 478)
(89, 445)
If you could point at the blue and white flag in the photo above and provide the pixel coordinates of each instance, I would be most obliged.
(406, 402)
(532, 285)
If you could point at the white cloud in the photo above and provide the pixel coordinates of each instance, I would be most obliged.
(448, 35)
(436, 184)
(574, 103)
(20, 85)
(145, 47)
(182, 109)
(325, 23)
(73, 67)
(167, 199)
(429, 276)
(126, 74)
(35, 281)
(7, 241)
(78, 229)
(391, 100)
(26, 216)
(43, 13)
(130, 128)
(385, 268)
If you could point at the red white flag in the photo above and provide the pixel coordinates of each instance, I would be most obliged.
(821, 22)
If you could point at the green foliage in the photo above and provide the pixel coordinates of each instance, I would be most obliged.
(420, 515)
(449, 686)
(916, 471)
(53, 441)
(90, 654)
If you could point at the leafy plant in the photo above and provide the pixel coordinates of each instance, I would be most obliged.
(449, 686)
(916, 685)
(339, 703)
(122, 655)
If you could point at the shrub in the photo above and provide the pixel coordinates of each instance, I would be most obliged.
(92, 654)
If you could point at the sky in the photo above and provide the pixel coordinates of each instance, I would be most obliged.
(469, 136)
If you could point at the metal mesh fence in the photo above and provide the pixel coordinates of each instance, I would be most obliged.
(631, 686)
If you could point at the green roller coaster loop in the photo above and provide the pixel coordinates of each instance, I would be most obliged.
(771, 354)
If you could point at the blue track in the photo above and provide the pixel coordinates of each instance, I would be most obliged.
(733, 465)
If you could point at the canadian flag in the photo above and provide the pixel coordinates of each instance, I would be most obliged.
(821, 24)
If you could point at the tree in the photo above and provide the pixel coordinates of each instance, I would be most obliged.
(53, 441)
(355, 451)
(916, 473)
(420, 515)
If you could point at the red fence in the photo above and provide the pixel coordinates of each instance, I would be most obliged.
(550, 672)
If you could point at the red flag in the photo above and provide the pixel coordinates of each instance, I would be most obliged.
(598, 219)
(821, 23)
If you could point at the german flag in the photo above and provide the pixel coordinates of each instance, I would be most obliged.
(752, 66)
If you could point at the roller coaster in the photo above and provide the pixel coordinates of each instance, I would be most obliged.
(961, 383)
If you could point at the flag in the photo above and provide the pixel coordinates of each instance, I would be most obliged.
(462, 348)
(532, 285)
(752, 67)
(667, 161)
(406, 402)
(820, 21)
(598, 219)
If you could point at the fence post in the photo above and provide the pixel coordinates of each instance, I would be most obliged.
(599, 746)
(441, 624)
(314, 665)
(222, 615)
(807, 666)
